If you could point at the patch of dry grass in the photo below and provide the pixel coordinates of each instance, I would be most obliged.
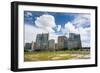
(57, 55)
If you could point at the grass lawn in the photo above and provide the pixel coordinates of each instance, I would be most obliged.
(56, 55)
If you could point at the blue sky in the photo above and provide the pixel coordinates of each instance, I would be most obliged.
(60, 18)
(56, 24)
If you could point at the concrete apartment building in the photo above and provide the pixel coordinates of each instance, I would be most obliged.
(43, 43)
(74, 41)
(51, 45)
(62, 42)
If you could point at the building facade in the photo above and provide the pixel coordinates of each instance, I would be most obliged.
(38, 42)
(74, 41)
(62, 42)
(56, 46)
(42, 41)
(51, 45)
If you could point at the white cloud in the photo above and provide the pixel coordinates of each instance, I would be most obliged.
(28, 33)
(85, 36)
(53, 36)
(28, 14)
(84, 33)
(46, 22)
(58, 27)
(82, 20)
(31, 32)
(71, 28)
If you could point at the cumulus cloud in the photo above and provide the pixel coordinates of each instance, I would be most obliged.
(58, 27)
(71, 28)
(82, 23)
(31, 32)
(84, 33)
(43, 24)
(53, 36)
(46, 22)
(82, 20)
(28, 33)
(85, 36)
(28, 14)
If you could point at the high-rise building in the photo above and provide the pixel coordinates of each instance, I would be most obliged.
(42, 41)
(56, 46)
(51, 45)
(38, 41)
(74, 41)
(62, 42)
